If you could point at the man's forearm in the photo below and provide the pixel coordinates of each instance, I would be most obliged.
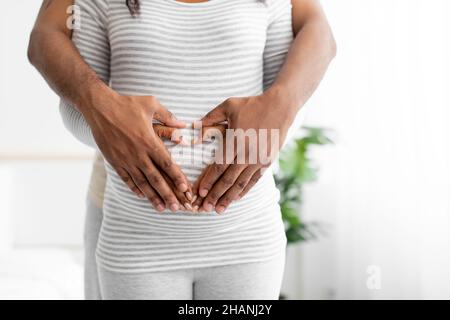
(58, 60)
(309, 56)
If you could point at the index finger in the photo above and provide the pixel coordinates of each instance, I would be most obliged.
(162, 158)
(214, 171)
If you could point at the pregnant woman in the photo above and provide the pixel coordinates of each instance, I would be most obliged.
(212, 60)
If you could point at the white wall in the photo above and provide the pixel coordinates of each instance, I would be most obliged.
(30, 121)
(384, 186)
(44, 171)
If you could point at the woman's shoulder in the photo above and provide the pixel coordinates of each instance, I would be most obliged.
(100, 5)
(97, 9)
(275, 5)
(277, 8)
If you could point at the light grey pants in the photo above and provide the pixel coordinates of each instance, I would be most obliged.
(92, 225)
(247, 281)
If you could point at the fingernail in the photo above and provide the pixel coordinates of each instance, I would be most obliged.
(194, 198)
(220, 209)
(208, 206)
(181, 122)
(160, 207)
(203, 193)
(188, 206)
(176, 139)
(174, 207)
(182, 187)
(195, 208)
(189, 196)
(141, 195)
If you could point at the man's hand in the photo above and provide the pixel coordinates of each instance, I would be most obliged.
(130, 144)
(222, 183)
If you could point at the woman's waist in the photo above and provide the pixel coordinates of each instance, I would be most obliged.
(125, 210)
(262, 194)
(132, 223)
(191, 157)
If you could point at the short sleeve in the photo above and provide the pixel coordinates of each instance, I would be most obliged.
(91, 39)
(279, 38)
(277, 9)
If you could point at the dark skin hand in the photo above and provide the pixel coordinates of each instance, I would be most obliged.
(230, 181)
(171, 133)
(152, 173)
(308, 58)
(121, 124)
(136, 152)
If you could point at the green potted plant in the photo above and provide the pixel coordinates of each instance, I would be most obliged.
(295, 170)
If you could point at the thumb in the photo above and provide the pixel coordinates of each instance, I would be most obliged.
(166, 117)
(215, 116)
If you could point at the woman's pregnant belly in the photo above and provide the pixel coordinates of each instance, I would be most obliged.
(124, 205)
(191, 61)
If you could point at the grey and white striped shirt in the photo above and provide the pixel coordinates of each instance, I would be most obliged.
(191, 56)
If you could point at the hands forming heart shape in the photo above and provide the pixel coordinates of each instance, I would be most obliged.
(138, 154)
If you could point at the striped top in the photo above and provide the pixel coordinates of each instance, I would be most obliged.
(191, 56)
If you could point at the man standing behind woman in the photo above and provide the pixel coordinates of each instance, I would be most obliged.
(117, 130)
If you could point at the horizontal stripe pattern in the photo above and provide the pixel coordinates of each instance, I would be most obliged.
(191, 57)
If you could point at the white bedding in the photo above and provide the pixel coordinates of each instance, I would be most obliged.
(41, 274)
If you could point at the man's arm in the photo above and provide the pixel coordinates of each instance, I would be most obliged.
(126, 139)
(306, 62)
(54, 55)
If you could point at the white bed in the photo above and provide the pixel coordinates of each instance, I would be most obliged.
(41, 274)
